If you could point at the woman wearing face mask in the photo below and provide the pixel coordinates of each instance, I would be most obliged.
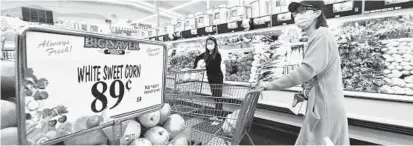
(320, 75)
(212, 59)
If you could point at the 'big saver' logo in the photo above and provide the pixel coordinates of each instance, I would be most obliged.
(114, 47)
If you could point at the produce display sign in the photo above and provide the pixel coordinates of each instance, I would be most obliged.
(343, 7)
(69, 78)
(284, 17)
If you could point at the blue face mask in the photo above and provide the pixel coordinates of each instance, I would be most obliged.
(304, 21)
(210, 47)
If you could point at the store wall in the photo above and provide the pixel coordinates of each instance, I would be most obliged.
(87, 12)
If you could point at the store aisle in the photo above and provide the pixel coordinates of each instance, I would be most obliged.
(267, 136)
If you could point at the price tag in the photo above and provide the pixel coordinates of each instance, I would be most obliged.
(209, 29)
(257, 21)
(343, 7)
(76, 81)
(266, 19)
(232, 25)
(389, 2)
(246, 23)
(284, 17)
(194, 31)
(327, 2)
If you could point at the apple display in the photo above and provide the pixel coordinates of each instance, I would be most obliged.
(149, 119)
(157, 136)
(175, 124)
(141, 142)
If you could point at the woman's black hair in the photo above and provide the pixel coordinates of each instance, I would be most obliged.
(210, 56)
(321, 21)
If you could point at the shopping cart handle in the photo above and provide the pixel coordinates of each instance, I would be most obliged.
(257, 90)
(196, 70)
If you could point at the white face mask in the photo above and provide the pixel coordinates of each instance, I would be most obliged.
(210, 47)
(304, 21)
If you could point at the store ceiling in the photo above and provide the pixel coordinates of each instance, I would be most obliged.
(135, 10)
(175, 8)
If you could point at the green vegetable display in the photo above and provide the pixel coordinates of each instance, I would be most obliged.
(376, 55)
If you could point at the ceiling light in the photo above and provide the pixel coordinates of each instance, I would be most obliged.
(172, 9)
(130, 4)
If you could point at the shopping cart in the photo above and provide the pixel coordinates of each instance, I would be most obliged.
(182, 79)
(209, 125)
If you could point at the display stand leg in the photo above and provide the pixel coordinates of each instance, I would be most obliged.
(114, 133)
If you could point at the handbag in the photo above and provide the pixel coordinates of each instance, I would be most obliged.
(303, 95)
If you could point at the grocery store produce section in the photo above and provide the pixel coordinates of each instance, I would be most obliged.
(375, 42)
(376, 60)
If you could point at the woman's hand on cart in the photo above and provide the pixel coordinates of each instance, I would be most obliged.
(259, 88)
(261, 85)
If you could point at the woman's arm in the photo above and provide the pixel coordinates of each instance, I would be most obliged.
(315, 61)
(199, 57)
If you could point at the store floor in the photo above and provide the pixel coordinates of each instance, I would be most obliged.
(266, 136)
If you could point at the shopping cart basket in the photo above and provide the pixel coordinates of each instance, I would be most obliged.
(183, 79)
(210, 125)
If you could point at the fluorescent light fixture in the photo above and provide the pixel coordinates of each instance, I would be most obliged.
(160, 9)
(172, 9)
(133, 5)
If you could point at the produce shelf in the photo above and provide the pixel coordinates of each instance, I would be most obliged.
(366, 95)
(355, 132)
